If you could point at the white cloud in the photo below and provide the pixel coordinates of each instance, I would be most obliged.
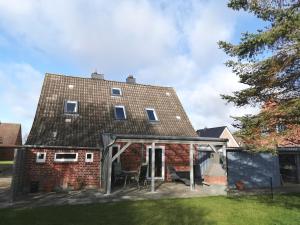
(163, 42)
(20, 85)
(103, 33)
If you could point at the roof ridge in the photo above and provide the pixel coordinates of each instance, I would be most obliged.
(89, 78)
(212, 128)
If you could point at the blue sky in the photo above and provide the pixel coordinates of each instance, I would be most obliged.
(163, 42)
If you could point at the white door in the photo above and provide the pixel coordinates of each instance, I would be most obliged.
(159, 162)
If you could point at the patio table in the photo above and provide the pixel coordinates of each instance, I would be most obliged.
(129, 174)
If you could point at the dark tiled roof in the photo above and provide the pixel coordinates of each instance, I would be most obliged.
(96, 112)
(10, 134)
(211, 132)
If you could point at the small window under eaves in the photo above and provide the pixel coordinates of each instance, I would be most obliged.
(120, 113)
(116, 92)
(71, 107)
(151, 114)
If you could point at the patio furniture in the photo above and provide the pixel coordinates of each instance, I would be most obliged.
(176, 177)
(141, 178)
(118, 172)
(129, 174)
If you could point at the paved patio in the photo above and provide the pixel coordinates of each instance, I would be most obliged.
(164, 190)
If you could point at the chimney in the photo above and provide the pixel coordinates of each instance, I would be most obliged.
(130, 79)
(98, 76)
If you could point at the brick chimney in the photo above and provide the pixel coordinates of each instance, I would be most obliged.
(98, 76)
(130, 80)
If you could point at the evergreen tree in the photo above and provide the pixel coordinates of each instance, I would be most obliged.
(268, 62)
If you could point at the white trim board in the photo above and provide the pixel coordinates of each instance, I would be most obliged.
(163, 161)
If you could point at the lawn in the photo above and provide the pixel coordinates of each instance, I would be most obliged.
(6, 162)
(255, 210)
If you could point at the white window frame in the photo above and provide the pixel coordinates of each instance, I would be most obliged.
(91, 159)
(65, 160)
(71, 102)
(38, 160)
(115, 88)
(120, 106)
(119, 147)
(155, 115)
(163, 162)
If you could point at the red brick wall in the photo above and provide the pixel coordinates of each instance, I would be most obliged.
(7, 154)
(51, 175)
(61, 174)
(176, 155)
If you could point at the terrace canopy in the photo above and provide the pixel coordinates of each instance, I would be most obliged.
(109, 139)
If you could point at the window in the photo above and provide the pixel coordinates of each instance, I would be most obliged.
(116, 92)
(120, 112)
(280, 128)
(66, 157)
(41, 157)
(151, 114)
(71, 107)
(1, 140)
(89, 157)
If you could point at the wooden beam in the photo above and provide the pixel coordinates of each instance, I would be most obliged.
(213, 148)
(108, 191)
(149, 141)
(153, 167)
(121, 151)
(191, 167)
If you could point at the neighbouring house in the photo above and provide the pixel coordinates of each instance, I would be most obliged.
(10, 139)
(83, 126)
(213, 171)
(259, 169)
(220, 132)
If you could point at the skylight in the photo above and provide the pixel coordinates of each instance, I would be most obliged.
(116, 91)
(151, 114)
(120, 113)
(71, 107)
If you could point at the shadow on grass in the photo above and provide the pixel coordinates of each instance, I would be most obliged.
(162, 212)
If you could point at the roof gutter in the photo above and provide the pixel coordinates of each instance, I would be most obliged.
(59, 147)
(166, 138)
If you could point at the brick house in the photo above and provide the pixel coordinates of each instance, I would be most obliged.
(10, 138)
(83, 125)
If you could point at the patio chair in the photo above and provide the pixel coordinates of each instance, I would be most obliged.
(176, 177)
(141, 177)
(118, 173)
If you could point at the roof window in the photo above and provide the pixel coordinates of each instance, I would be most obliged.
(151, 114)
(71, 107)
(116, 92)
(120, 113)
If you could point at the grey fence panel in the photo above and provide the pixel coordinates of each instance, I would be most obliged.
(254, 169)
(204, 161)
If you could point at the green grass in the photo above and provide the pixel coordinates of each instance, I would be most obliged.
(6, 162)
(255, 210)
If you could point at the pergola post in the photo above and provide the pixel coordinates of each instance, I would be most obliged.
(153, 167)
(224, 150)
(191, 167)
(108, 191)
